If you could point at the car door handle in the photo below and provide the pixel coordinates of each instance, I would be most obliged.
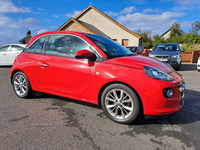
(4, 54)
(44, 65)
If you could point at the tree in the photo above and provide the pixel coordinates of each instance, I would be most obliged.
(147, 36)
(157, 39)
(196, 26)
(175, 29)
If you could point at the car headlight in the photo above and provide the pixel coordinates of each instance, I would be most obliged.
(157, 74)
(175, 56)
(151, 55)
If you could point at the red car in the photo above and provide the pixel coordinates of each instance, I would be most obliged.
(97, 70)
(135, 49)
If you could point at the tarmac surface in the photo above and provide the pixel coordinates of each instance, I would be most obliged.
(51, 122)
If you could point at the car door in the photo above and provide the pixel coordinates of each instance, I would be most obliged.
(3, 55)
(60, 72)
(30, 61)
(13, 53)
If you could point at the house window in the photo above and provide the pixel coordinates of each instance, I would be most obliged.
(125, 42)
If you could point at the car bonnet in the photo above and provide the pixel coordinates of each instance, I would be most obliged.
(141, 61)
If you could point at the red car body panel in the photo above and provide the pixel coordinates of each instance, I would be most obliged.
(83, 80)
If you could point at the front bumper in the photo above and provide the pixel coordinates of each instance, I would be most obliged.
(153, 100)
(174, 62)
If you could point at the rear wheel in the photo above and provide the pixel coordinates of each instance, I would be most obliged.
(22, 85)
(120, 103)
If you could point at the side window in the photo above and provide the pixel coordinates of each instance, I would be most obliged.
(3, 49)
(65, 45)
(16, 48)
(37, 46)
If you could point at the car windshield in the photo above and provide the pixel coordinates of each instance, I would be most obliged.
(109, 47)
(132, 49)
(166, 47)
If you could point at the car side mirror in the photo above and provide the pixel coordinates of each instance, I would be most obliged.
(85, 54)
(183, 50)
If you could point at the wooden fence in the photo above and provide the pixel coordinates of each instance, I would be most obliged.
(190, 56)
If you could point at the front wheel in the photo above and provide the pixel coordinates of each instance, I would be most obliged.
(21, 85)
(120, 103)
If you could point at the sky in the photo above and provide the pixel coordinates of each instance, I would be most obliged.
(19, 16)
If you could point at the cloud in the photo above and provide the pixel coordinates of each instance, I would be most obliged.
(9, 38)
(158, 23)
(186, 24)
(4, 20)
(111, 14)
(150, 10)
(41, 9)
(74, 14)
(182, 2)
(184, 5)
(141, 2)
(26, 23)
(42, 30)
(126, 10)
(6, 6)
(55, 16)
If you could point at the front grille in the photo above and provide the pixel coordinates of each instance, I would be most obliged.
(162, 57)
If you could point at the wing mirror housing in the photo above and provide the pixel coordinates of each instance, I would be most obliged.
(150, 50)
(85, 54)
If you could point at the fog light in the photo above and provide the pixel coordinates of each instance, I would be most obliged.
(168, 92)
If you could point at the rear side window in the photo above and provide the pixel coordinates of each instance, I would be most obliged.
(37, 46)
(16, 48)
(5, 48)
(65, 45)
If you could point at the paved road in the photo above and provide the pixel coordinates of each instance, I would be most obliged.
(50, 122)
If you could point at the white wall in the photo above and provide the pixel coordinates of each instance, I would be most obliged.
(167, 35)
(108, 27)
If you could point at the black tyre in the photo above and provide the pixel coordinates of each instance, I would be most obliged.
(178, 68)
(21, 85)
(120, 103)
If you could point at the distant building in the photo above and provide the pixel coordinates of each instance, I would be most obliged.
(26, 39)
(166, 35)
(93, 21)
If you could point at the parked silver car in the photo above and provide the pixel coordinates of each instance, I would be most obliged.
(169, 53)
(9, 52)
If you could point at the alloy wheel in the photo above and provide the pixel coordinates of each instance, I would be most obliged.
(119, 103)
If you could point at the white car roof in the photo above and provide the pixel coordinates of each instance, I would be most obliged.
(22, 45)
